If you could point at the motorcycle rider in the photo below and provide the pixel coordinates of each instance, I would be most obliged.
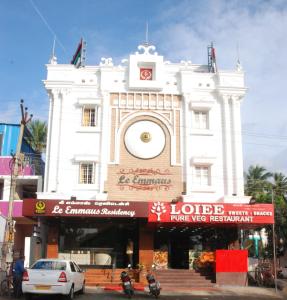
(127, 284)
(153, 284)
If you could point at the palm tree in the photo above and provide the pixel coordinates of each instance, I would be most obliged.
(280, 184)
(256, 181)
(38, 130)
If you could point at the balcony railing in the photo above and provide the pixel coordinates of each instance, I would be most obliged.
(28, 166)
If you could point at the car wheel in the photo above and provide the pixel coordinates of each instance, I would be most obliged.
(71, 295)
(82, 290)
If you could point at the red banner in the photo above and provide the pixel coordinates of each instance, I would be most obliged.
(231, 261)
(85, 208)
(211, 213)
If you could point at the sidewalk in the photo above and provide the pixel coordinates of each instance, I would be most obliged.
(215, 291)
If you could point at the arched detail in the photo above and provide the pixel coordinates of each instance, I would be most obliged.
(132, 116)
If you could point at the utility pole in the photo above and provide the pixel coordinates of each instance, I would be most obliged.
(274, 243)
(9, 236)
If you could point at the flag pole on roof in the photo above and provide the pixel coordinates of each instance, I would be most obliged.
(212, 67)
(79, 57)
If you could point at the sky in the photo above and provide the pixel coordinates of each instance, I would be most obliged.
(253, 31)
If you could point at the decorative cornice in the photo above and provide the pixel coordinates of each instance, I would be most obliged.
(106, 62)
(147, 50)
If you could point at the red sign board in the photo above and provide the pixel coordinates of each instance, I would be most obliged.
(145, 74)
(231, 261)
(85, 208)
(211, 213)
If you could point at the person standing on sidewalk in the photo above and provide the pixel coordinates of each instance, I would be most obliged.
(18, 274)
(130, 252)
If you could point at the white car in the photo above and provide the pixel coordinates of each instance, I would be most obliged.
(53, 276)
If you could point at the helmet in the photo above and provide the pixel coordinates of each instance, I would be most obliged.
(149, 277)
(124, 274)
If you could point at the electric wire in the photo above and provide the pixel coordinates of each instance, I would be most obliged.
(47, 24)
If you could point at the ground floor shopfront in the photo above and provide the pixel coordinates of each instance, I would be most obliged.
(114, 234)
(96, 243)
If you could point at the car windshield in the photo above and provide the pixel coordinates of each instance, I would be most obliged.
(49, 265)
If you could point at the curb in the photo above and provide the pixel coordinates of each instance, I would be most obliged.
(215, 291)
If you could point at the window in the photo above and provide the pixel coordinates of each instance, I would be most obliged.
(49, 265)
(202, 176)
(86, 173)
(72, 267)
(89, 116)
(201, 120)
(78, 269)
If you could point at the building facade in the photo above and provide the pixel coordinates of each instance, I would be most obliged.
(28, 182)
(148, 151)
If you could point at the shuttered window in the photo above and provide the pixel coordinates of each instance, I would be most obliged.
(87, 173)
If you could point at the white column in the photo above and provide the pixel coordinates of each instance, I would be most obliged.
(186, 151)
(27, 249)
(54, 143)
(39, 184)
(105, 141)
(238, 181)
(48, 147)
(6, 188)
(227, 147)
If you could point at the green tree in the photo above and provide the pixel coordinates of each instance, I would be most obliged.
(269, 187)
(279, 184)
(38, 130)
(256, 181)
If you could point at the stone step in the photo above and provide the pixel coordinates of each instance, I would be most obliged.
(182, 275)
(184, 279)
(175, 271)
(198, 279)
(186, 286)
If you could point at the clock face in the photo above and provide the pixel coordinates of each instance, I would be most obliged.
(145, 74)
(144, 139)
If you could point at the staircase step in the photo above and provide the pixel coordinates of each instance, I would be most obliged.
(183, 279)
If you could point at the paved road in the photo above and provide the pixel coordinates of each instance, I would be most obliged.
(142, 296)
(227, 293)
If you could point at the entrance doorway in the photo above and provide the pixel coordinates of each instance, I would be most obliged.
(180, 246)
(179, 251)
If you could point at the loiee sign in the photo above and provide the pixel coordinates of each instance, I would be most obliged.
(211, 213)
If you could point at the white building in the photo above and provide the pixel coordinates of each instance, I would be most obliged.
(147, 151)
(91, 107)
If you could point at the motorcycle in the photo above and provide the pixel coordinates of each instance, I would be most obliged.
(127, 284)
(154, 285)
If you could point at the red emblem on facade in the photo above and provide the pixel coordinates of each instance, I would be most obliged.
(145, 74)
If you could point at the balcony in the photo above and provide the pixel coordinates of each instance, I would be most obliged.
(28, 166)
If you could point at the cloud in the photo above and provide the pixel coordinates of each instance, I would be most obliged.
(259, 28)
(11, 113)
